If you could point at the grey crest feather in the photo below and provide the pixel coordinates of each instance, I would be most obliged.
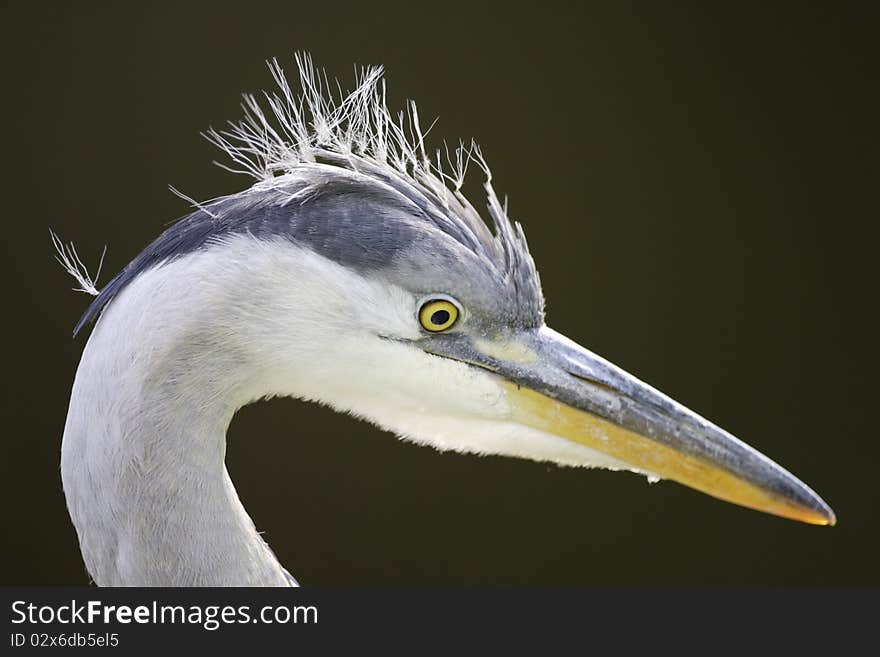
(342, 176)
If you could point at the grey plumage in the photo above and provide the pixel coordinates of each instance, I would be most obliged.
(364, 198)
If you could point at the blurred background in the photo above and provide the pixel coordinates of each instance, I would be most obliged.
(699, 188)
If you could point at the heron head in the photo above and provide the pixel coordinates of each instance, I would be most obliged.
(463, 360)
(396, 302)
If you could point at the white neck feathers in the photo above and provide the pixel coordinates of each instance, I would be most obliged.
(182, 348)
(145, 440)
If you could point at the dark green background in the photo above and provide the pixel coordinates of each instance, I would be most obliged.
(698, 185)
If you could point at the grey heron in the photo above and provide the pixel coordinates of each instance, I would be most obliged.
(355, 273)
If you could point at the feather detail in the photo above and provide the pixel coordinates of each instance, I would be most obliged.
(68, 258)
(356, 130)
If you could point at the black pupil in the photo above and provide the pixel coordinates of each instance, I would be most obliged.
(439, 317)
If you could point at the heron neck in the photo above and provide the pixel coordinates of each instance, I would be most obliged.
(143, 456)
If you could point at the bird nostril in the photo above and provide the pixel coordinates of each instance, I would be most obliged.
(598, 384)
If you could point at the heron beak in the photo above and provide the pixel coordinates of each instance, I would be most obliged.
(558, 387)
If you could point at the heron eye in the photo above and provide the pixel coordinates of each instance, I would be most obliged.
(438, 315)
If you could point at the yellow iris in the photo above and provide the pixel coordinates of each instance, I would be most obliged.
(438, 315)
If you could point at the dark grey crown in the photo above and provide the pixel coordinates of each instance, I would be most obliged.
(342, 178)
